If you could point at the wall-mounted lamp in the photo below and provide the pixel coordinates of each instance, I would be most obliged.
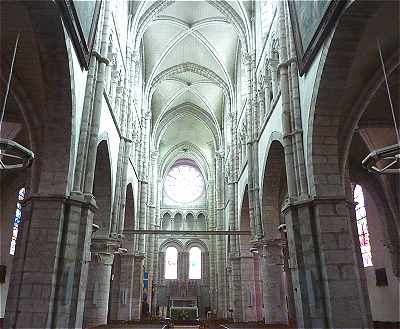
(95, 228)
(282, 228)
(254, 250)
(122, 251)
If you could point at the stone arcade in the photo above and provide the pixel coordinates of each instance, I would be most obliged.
(200, 159)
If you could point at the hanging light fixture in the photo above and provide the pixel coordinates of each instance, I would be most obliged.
(385, 160)
(12, 154)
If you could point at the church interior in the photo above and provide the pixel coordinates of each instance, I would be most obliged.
(200, 164)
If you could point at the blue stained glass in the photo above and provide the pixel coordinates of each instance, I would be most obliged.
(17, 220)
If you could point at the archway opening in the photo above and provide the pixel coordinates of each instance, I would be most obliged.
(250, 268)
(99, 273)
(277, 286)
(102, 190)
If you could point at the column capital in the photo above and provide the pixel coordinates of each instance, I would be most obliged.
(105, 245)
(146, 114)
(154, 154)
(103, 250)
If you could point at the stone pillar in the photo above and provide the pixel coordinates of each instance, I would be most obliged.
(152, 205)
(143, 183)
(274, 62)
(122, 304)
(137, 291)
(32, 302)
(99, 279)
(156, 268)
(235, 272)
(272, 270)
(126, 300)
(102, 61)
(252, 146)
(261, 100)
(236, 288)
(211, 227)
(183, 265)
(267, 91)
(220, 245)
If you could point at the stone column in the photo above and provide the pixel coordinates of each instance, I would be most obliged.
(137, 291)
(156, 268)
(272, 270)
(211, 227)
(32, 302)
(220, 245)
(236, 288)
(143, 183)
(97, 103)
(267, 91)
(122, 305)
(152, 204)
(126, 131)
(236, 291)
(261, 100)
(274, 62)
(126, 300)
(98, 288)
(252, 146)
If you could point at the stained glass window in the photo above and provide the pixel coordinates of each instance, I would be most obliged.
(17, 220)
(184, 183)
(171, 263)
(195, 263)
(362, 226)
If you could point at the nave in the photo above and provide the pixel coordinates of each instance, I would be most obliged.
(233, 160)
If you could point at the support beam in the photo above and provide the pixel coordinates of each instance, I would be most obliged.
(167, 232)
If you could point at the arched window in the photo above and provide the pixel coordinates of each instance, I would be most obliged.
(17, 220)
(195, 263)
(171, 263)
(362, 226)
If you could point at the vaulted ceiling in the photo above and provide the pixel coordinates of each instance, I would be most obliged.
(190, 50)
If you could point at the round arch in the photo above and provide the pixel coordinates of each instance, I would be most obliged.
(336, 107)
(196, 243)
(274, 190)
(192, 153)
(102, 190)
(205, 117)
(49, 88)
(172, 243)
